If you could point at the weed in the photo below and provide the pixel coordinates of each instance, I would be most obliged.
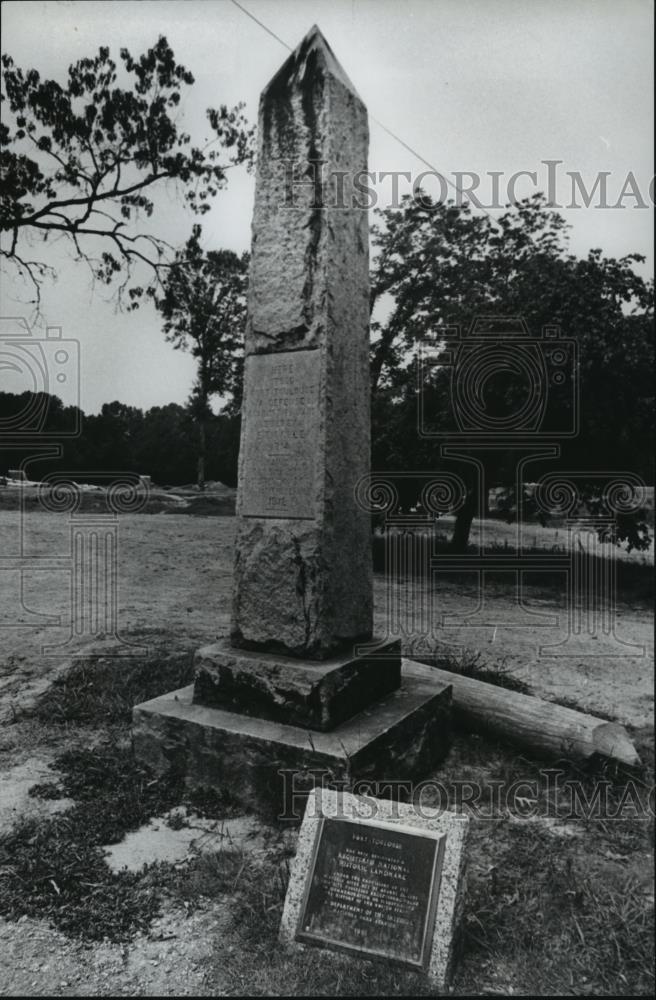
(55, 868)
(266, 969)
(470, 663)
(46, 790)
(102, 690)
(212, 804)
(542, 911)
(48, 870)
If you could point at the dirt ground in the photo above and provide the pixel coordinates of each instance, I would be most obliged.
(175, 956)
(171, 960)
(173, 577)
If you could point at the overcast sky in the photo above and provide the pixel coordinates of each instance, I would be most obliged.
(471, 85)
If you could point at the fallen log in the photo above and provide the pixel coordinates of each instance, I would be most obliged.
(541, 726)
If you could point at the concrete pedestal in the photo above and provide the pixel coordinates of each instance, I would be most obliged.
(264, 763)
(314, 694)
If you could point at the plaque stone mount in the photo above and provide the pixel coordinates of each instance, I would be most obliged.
(423, 932)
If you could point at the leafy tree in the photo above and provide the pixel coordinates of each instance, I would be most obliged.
(438, 265)
(204, 309)
(114, 435)
(165, 449)
(160, 442)
(83, 161)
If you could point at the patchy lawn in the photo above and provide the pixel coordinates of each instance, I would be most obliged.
(560, 890)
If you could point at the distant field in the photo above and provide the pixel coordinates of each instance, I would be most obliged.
(494, 533)
(174, 579)
(491, 533)
(215, 499)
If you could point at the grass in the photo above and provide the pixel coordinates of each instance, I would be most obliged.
(539, 919)
(541, 912)
(634, 570)
(102, 690)
(55, 868)
(255, 894)
(471, 663)
(47, 870)
(546, 913)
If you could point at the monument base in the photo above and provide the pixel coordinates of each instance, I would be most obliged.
(271, 767)
(314, 694)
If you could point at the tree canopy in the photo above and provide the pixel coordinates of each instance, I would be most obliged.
(438, 266)
(160, 442)
(203, 304)
(82, 161)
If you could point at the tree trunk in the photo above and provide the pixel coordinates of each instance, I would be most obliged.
(540, 726)
(463, 524)
(201, 453)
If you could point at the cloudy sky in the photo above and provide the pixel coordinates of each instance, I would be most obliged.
(470, 85)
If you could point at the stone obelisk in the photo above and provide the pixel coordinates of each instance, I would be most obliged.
(301, 656)
(303, 578)
(302, 590)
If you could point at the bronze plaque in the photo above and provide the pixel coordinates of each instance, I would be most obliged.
(280, 437)
(372, 888)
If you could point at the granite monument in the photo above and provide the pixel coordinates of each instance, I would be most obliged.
(301, 682)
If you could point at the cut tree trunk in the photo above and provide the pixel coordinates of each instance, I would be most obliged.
(541, 726)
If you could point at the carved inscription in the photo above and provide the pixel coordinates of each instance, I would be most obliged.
(281, 435)
(373, 889)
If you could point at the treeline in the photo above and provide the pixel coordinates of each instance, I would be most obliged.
(161, 442)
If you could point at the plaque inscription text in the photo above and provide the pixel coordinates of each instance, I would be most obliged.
(373, 889)
(281, 439)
